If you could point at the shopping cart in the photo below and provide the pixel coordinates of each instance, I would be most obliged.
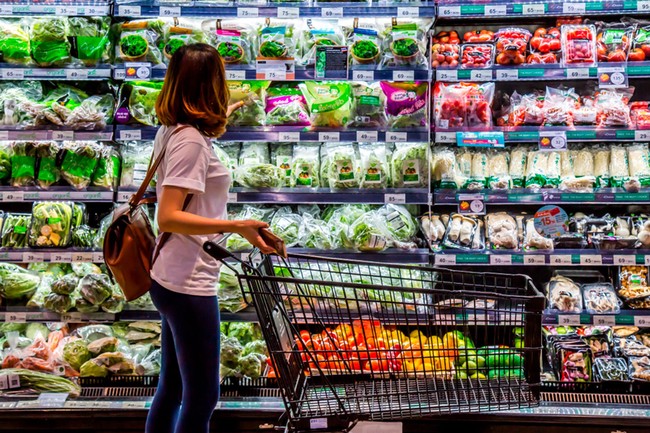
(352, 340)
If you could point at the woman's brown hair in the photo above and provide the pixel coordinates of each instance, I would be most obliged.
(195, 91)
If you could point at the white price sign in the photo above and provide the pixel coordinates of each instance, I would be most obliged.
(232, 197)
(13, 196)
(170, 11)
(395, 198)
(288, 12)
(6, 10)
(642, 321)
(577, 73)
(622, 260)
(248, 12)
(14, 74)
(98, 257)
(449, 11)
(647, 260)
(641, 135)
(134, 404)
(643, 6)
(445, 259)
(235, 75)
(507, 74)
(535, 259)
(404, 12)
(332, 12)
(4, 135)
(131, 134)
(480, 75)
(76, 74)
(568, 319)
(82, 257)
(445, 137)
(329, 136)
(62, 135)
(61, 258)
(501, 259)
(33, 257)
(288, 136)
(574, 8)
(276, 74)
(403, 75)
(446, 75)
(533, 9)
(562, 259)
(361, 75)
(367, 136)
(394, 137)
(129, 11)
(591, 259)
(604, 320)
(15, 317)
(119, 74)
(495, 11)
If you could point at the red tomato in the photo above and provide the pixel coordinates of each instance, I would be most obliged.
(304, 335)
(636, 55)
(646, 50)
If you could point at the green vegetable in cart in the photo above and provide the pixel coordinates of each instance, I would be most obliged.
(49, 41)
(51, 224)
(79, 163)
(14, 41)
(14, 230)
(76, 353)
(17, 282)
(58, 303)
(23, 163)
(65, 285)
(42, 382)
(229, 292)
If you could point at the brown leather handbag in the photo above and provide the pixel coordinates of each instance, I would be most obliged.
(130, 245)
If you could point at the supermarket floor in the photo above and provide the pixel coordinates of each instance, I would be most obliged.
(548, 418)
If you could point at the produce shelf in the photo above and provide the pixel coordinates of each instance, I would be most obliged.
(517, 9)
(545, 196)
(105, 134)
(52, 256)
(11, 72)
(289, 134)
(541, 258)
(530, 134)
(288, 10)
(11, 194)
(639, 318)
(391, 255)
(57, 8)
(327, 196)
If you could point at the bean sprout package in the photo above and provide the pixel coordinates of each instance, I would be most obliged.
(404, 44)
(329, 102)
(405, 103)
(319, 33)
(251, 93)
(286, 105)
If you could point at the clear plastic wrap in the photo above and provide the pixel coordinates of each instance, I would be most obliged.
(139, 41)
(318, 33)
(15, 227)
(511, 44)
(48, 172)
(517, 167)
(79, 162)
(14, 41)
(545, 46)
(578, 45)
(619, 169)
(306, 166)
(405, 103)
(368, 106)
(409, 165)
(559, 106)
(613, 41)
(533, 240)
(460, 232)
(135, 162)
(536, 166)
(444, 168)
(564, 295)
(49, 41)
(233, 39)
(612, 107)
(286, 105)
(23, 163)
(275, 41)
(498, 173)
(251, 93)
(476, 56)
(51, 225)
(329, 103)
(501, 231)
(343, 166)
(316, 233)
(600, 298)
(404, 44)
(374, 166)
(365, 43)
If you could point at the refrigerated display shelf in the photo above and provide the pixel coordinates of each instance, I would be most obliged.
(52, 256)
(289, 134)
(10, 194)
(391, 255)
(329, 196)
(105, 134)
(545, 196)
(56, 8)
(11, 72)
(543, 258)
(640, 318)
(530, 134)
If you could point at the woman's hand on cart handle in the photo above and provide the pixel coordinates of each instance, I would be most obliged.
(250, 229)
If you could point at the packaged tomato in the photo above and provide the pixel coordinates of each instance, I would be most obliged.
(559, 106)
(560, 21)
(445, 55)
(640, 50)
(640, 114)
(612, 108)
(579, 44)
(476, 56)
(478, 36)
(586, 113)
(613, 41)
(545, 46)
(446, 37)
(461, 105)
(526, 109)
(511, 46)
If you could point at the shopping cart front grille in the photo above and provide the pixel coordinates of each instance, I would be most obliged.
(626, 399)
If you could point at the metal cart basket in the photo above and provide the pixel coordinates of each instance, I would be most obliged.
(352, 340)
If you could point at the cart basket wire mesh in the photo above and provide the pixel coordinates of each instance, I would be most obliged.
(352, 340)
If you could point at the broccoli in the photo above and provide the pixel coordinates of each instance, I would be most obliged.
(231, 350)
(251, 366)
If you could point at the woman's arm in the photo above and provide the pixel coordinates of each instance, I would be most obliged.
(172, 219)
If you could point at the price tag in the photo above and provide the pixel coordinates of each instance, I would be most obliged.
(52, 399)
(495, 10)
(288, 12)
(248, 12)
(647, 260)
(624, 260)
(119, 74)
(403, 75)
(367, 136)
(62, 135)
(641, 135)
(507, 74)
(577, 73)
(130, 134)
(534, 260)
(61, 258)
(98, 257)
(404, 12)
(13, 196)
(446, 75)
(235, 75)
(76, 74)
(591, 259)
(552, 140)
(501, 259)
(642, 321)
(568, 319)
(4, 135)
(574, 8)
(445, 137)
(288, 137)
(395, 198)
(33, 257)
(480, 75)
(331, 12)
(15, 317)
(329, 136)
(533, 9)
(82, 257)
(604, 320)
(6, 10)
(134, 404)
(14, 74)
(63, 11)
(445, 259)
(643, 6)
(563, 259)
(362, 75)
(129, 11)
(394, 137)
(170, 11)
(449, 11)
(318, 423)
(232, 197)
(471, 204)
(612, 78)
(276, 74)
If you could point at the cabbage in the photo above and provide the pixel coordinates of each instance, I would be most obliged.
(65, 285)
(76, 353)
(315, 233)
(368, 233)
(260, 176)
(17, 282)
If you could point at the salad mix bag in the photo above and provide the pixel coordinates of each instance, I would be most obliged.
(329, 102)
(286, 105)
(405, 103)
(139, 41)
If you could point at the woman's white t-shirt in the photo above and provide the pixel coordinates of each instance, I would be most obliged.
(190, 162)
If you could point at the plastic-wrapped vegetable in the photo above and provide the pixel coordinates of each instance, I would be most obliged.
(305, 166)
(343, 166)
(135, 161)
(51, 224)
(405, 103)
(14, 230)
(255, 169)
(399, 222)
(48, 172)
(14, 41)
(115, 303)
(374, 167)
(233, 41)
(286, 105)
(238, 243)
(75, 353)
(180, 34)
(282, 157)
(409, 165)
(5, 161)
(319, 33)
(58, 303)
(65, 285)
(364, 42)
(229, 292)
(89, 37)
(78, 214)
(252, 94)
(329, 102)
(23, 163)
(404, 44)
(368, 109)
(17, 282)
(49, 41)
(43, 382)
(368, 233)
(108, 168)
(138, 41)
(95, 288)
(101, 232)
(83, 237)
(315, 233)
(276, 42)
(138, 103)
(286, 224)
(79, 162)
(340, 219)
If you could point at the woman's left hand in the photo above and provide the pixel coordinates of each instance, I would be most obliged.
(234, 107)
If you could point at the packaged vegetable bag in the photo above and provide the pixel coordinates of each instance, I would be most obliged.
(139, 41)
(368, 106)
(365, 44)
(329, 102)
(48, 172)
(315, 233)
(342, 166)
(255, 169)
(276, 42)
(409, 165)
(89, 38)
(405, 103)
(251, 93)
(5, 161)
(51, 224)
(14, 41)
(135, 162)
(282, 157)
(374, 166)
(305, 166)
(49, 41)
(286, 225)
(23, 163)
(404, 44)
(108, 168)
(79, 162)
(179, 34)
(286, 106)
(318, 33)
(137, 103)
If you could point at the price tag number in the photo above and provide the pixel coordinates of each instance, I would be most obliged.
(643, 6)
(403, 76)
(500, 259)
(276, 75)
(642, 321)
(13, 196)
(395, 198)
(641, 135)
(14, 74)
(568, 320)
(367, 136)
(534, 9)
(496, 10)
(625, 260)
(332, 12)
(604, 320)
(329, 136)
(16, 317)
(592, 260)
(445, 259)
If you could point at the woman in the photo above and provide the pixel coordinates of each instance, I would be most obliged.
(192, 107)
